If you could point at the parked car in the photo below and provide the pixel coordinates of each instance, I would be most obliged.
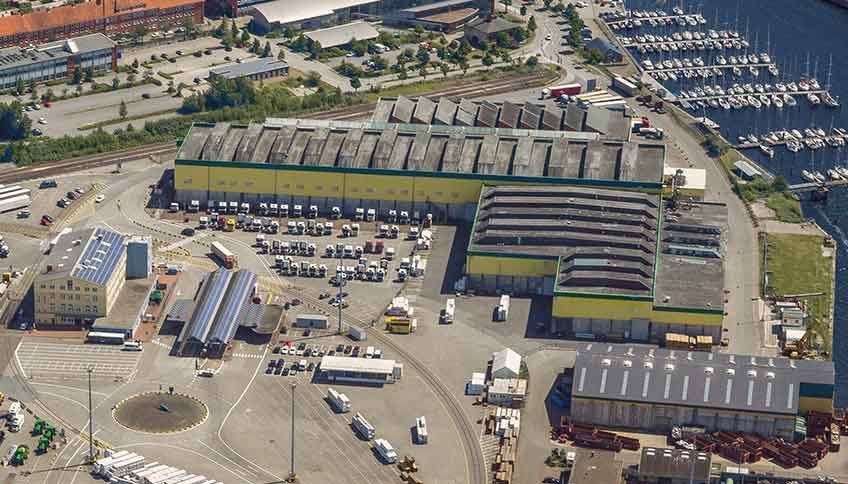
(47, 184)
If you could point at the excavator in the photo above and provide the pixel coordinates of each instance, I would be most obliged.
(798, 349)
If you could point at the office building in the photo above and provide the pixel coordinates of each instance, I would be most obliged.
(57, 60)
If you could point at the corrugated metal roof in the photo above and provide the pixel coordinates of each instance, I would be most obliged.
(210, 299)
(227, 319)
(696, 379)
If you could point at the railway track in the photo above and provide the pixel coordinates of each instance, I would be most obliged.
(476, 89)
(468, 433)
(86, 162)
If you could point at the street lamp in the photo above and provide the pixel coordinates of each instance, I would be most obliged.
(292, 476)
(90, 420)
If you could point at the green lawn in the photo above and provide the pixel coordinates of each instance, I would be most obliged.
(786, 207)
(796, 266)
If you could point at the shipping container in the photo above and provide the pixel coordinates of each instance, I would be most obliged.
(502, 311)
(448, 311)
(356, 333)
(385, 450)
(625, 86)
(421, 435)
(555, 92)
(16, 203)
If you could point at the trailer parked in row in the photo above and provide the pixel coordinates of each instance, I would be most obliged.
(363, 427)
(339, 401)
(502, 311)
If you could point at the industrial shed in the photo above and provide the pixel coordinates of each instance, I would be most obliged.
(618, 263)
(652, 389)
(506, 363)
(222, 305)
(436, 169)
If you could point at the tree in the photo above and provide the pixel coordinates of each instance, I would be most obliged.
(313, 79)
(79, 89)
(523, 10)
(76, 77)
(138, 33)
(14, 124)
(532, 61)
(189, 29)
(256, 48)
(422, 55)
(33, 96)
(122, 109)
(355, 83)
(234, 31)
(281, 55)
(131, 78)
(463, 66)
(506, 57)
(245, 37)
(115, 83)
(418, 30)
(48, 96)
(531, 24)
(88, 73)
(379, 63)
(779, 184)
(314, 49)
(221, 29)
(422, 71)
(547, 3)
(445, 68)
(266, 51)
(20, 87)
(135, 64)
(31, 85)
(487, 60)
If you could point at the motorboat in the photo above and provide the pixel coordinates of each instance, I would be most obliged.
(814, 84)
(796, 134)
(764, 58)
(806, 175)
(777, 100)
(723, 103)
(792, 87)
(721, 60)
(764, 100)
(754, 71)
(754, 102)
(767, 150)
(773, 70)
(793, 146)
(803, 86)
(813, 99)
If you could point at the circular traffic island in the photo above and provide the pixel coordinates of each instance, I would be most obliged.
(160, 412)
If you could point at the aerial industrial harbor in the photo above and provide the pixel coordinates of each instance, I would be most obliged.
(451, 241)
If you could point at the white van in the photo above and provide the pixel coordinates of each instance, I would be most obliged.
(132, 346)
(369, 352)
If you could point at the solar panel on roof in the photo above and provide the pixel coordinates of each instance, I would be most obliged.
(109, 246)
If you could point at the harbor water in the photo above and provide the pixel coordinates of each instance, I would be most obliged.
(803, 39)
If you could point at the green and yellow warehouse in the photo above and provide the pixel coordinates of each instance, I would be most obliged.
(575, 216)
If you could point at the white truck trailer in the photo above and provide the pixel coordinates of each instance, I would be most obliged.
(502, 311)
(362, 427)
(339, 401)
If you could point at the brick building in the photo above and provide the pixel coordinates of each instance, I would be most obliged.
(105, 16)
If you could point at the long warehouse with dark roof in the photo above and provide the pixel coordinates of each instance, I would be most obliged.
(653, 389)
(438, 169)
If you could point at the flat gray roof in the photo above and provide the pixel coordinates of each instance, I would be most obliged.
(127, 309)
(690, 272)
(473, 150)
(604, 239)
(645, 374)
(342, 34)
(612, 123)
(14, 57)
(248, 68)
(595, 467)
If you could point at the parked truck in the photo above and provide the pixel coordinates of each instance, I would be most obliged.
(229, 260)
(339, 401)
(502, 311)
(555, 92)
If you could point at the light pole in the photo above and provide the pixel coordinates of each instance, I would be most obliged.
(292, 476)
(341, 282)
(90, 421)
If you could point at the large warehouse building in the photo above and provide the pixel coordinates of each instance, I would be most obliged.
(106, 16)
(586, 227)
(646, 388)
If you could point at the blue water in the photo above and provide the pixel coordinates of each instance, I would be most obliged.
(793, 31)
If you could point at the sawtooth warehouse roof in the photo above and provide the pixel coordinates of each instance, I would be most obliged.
(460, 151)
(613, 123)
(719, 381)
(604, 239)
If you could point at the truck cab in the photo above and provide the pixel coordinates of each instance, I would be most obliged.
(292, 227)
(301, 228)
(222, 207)
(345, 230)
(384, 231)
(330, 251)
(194, 206)
(395, 230)
(211, 206)
(174, 207)
(404, 217)
(392, 218)
(284, 210)
(313, 211)
(413, 233)
(359, 214)
(402, 275)
(298, 211)
(328, 228)
(335, 213)
(204, 222)
(390, 253)
(244, 207)
(232, 207)
(348, 251)
(371, 215)
(354, 229)
(273, 210)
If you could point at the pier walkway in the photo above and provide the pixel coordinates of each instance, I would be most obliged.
(710, 67)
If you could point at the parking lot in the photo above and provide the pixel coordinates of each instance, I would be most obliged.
(43, 359)
(46, 200)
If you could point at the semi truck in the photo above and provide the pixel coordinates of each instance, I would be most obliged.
(339, 401)
(502, 311)
(385, 450)
(555, 92)
(227, 258)
(448, 312)
(421, 430)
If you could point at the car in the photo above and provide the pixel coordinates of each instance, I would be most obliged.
(293, 372)
(295, 302)
(278, 370)
(37, 132)
(355, 351)
(145, 95)
(79, 190)
(179, 52)
(348, 349)
(269, 370)
(28, 108)
(36, 106)
(339, 348)
(301, 346)
(188, 232)
(331, 353)
(307, 332)
(41, 120)
(99, 198)
(172, 60)
(285, 372)
(208, 51)
(276, 350)
(198, 54)
(350, 54)
(63, 203)
(310, 367)
(24, 214)
(47, 184)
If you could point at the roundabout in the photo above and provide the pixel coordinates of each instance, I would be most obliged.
(160, 412)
